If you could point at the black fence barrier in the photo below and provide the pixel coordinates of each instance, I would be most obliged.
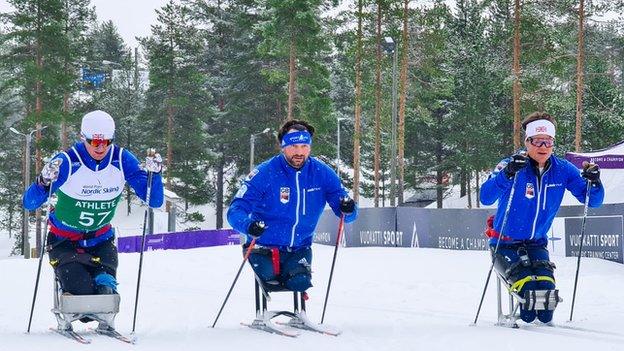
(462, 229)
(603, 232)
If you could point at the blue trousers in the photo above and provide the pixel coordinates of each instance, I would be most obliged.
(281, 269)
(508, 261)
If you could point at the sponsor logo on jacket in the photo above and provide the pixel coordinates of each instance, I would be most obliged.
(529, 193)
(284, 195)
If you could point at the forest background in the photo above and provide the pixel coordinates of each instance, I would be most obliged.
(408, 97)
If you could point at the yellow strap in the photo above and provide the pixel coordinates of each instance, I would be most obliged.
(517, 286)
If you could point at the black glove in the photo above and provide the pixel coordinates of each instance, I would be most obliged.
(347, 205)
(256, 228)
(518, 161)
(591, 172)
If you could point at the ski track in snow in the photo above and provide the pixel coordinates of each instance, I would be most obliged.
(382, 299)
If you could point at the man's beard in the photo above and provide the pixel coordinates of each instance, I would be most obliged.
(296, 162)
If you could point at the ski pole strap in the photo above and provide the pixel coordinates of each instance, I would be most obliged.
(490, 232)
(275, 258)
(519, 284)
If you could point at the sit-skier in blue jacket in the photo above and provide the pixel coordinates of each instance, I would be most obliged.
(539, 180)
(280, 203)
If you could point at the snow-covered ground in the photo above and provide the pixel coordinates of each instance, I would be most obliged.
(382, 298)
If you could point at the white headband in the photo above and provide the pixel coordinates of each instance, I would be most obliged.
(541, 126)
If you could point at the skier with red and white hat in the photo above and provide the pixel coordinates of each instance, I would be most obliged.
(88, 180)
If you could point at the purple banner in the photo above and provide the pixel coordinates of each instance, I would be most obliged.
(604, 161)
(179, 240)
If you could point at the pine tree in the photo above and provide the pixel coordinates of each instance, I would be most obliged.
(11, 156)
(77, 16)
(37, 44)
(293, 37)
(178, 102)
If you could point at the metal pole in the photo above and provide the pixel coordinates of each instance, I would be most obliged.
(338, 150)
(42, 251)
(393, 159)
(25, 231)
(500, 236)
(245, 258)
(148, 194)
(578, 261)
(252, 141)
(331, 272)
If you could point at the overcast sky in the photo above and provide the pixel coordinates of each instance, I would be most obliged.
(132, 17)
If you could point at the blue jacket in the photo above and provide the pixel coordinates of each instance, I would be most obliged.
(289, 201)
(36, 194)
(536, 199)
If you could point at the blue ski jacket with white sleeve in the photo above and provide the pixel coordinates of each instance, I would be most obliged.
(289, 201)
(78, 214)
(537, 197)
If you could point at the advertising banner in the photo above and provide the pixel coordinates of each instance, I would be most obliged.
(462, 229)
(179, 240)
(374, 227)
(603, 231)
(455, 229)
(605, 161)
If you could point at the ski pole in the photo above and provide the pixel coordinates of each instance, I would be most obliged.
(331, 272)
(58, 162)
(500, 236)
(578, 261)
(147, 210)
(247, 253)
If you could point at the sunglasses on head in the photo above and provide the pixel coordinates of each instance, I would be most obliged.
(548, 142)
(98, 142)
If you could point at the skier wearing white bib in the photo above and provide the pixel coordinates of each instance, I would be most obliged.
(89, 181)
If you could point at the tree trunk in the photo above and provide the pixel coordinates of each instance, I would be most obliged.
(169, 142)
(64, 141)
(220, 186)
(38, 156)
(477, 189)
(517, 87)
(170, 125)
(468, 188)
(462, 181)
(292, 81)
(128, 200)
(378, 106)
(358, 107)
(402, 101)
(439, 150)
(135, 83)
(580, 85)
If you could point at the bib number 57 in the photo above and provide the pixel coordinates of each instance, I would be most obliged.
(87, 219)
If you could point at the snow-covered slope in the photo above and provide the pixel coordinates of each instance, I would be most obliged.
(382, 298)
